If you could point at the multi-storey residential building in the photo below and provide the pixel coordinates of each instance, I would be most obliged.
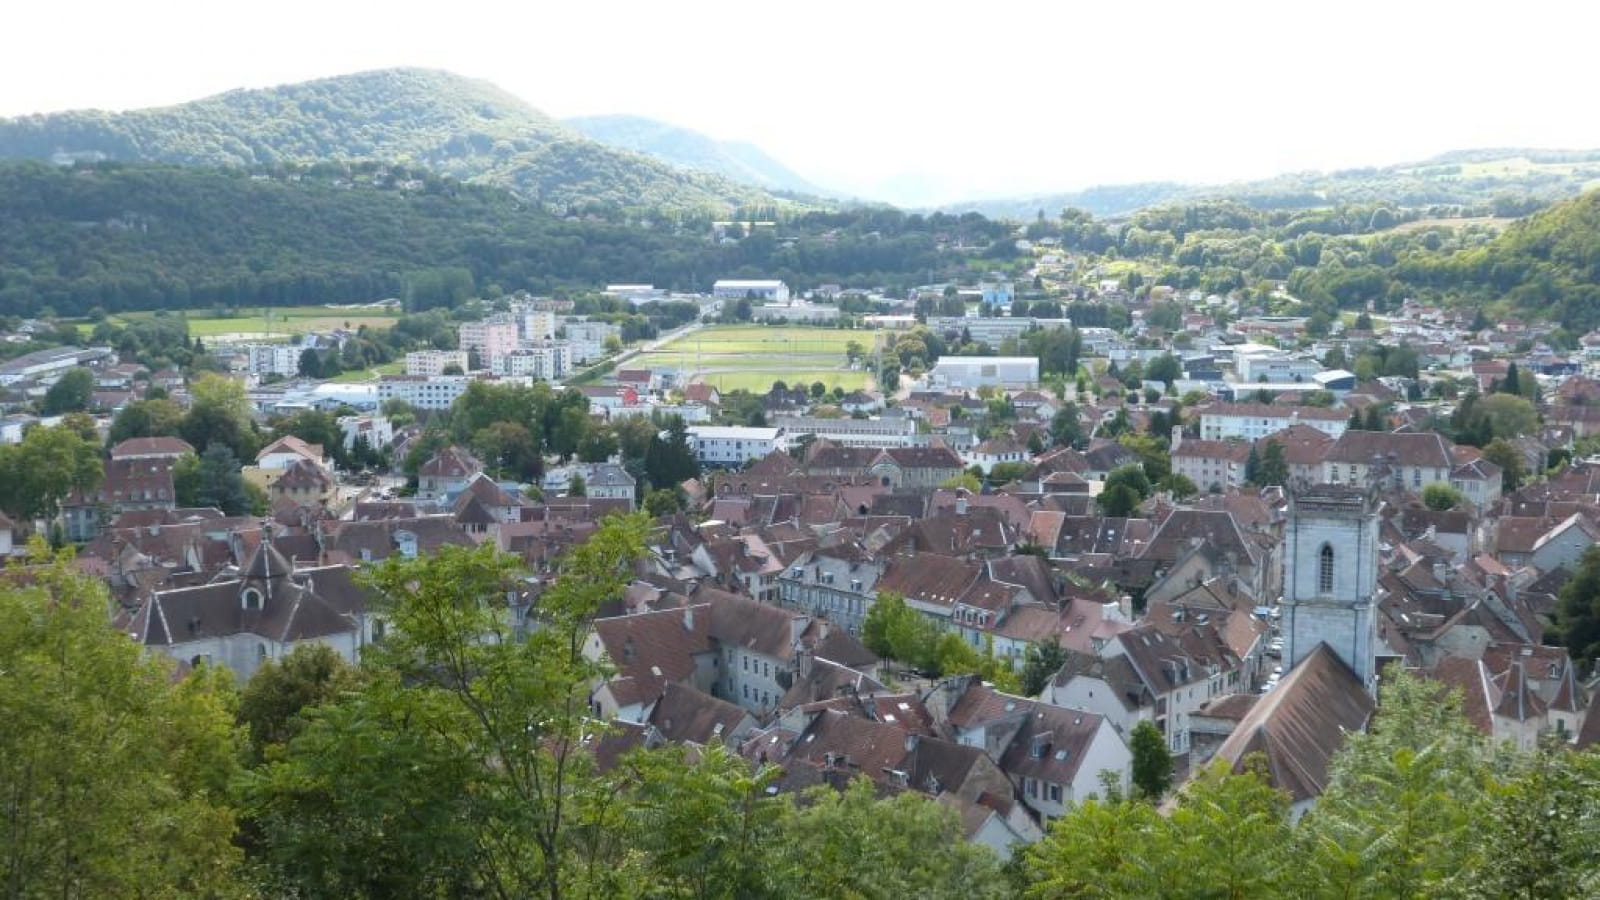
(1251, 421)
(272, 359)
(1407, 461)
(732, 445)
(433, 393)
(588, 339)
(548, 361)
(429, 363)
(1274, 366)
(972, 372)
(492, 338)
(536, 324)
(1211, 465)
(990, 330)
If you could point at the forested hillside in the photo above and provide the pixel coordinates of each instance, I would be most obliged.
(149, 237)
(685, 148)
(1505, 182)
(464, 128)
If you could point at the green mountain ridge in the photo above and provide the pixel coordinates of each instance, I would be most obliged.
(460, 127)
(685, 148)
(1498, 181)
(124, 236)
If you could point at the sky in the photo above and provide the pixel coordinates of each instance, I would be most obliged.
(935, 102)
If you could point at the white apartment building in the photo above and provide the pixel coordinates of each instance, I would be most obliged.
(1274, 367)
(990, 330)
(1253, 421)
(884, 431)
(588, 339)
(492, 338)
(437, 392)
(547, 360)
(536, 324)
(429, 363)
(732, 445)
(273, 359)
(794, 312)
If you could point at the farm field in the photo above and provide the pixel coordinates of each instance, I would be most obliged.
(752, 357)
(266, 324)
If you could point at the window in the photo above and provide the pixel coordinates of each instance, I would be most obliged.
(1053, 791)
(252, 598)
(746, 661)
(1325, 570)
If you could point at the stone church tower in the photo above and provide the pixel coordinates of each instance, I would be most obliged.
(1331, 578)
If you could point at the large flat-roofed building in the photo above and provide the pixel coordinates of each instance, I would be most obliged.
(732, 445)
(971, 372)
(429, 363)
(438, 392)
(42, 363)
(990, 330)
(637, 293)
(761, 289)
(1252, 421)
(884, 431)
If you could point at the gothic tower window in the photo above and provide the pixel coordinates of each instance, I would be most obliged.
(1325, 570)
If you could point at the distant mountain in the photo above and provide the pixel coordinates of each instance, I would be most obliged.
(1105, 201)
(461, 127)
(1505, 181)
(688, 149)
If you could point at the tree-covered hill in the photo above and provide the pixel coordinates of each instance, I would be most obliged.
(150, 237)
(461, 127)
(1506, 182)
(688, 149)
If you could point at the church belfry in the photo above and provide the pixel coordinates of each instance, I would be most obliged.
(1331, 577)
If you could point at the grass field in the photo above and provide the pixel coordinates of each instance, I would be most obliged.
(752, 357)
(265, 324)
(394, 368)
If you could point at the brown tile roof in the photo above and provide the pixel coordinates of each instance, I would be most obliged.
(1300, 724)
(291, 444)
(151, 446)
(929, 578)
(651, 650)
(1052, 744)
(1407, 449)
(685, 715)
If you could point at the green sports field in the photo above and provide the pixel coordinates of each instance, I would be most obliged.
(752, 357)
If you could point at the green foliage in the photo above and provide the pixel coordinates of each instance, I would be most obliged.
(1125, 488)
(1441, 496)
(146, 418)
(893, 630)
(1065, 429)
(352, 234)
(274, 701)
(1152, 761)
(50, 463)
(220, 413)
(1041, 664)
(1578, 613)
(71, 393)
(219, 483)
(1505, 454)
(1266, 465)
(965, 481)
(115, 774)
(1007, 472)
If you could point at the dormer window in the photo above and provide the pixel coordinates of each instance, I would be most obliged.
(251, 598)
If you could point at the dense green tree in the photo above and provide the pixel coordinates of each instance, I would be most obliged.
(1505, 454)
(219, 483)
(486, 722)
(146, 418)
(1441, 496)
(669, 461)
(1509, 415)
(149, 820)
(1118, 500)
(1152, 761)
(274, 703)
(1041, 663)
(220, 413)
(1578, 612)
(49, 464)
(71, 393)
(1065, 429)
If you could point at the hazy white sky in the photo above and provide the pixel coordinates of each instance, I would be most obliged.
(971, 99)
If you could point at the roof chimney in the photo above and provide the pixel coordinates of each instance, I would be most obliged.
(688, 618)
(961, 502)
